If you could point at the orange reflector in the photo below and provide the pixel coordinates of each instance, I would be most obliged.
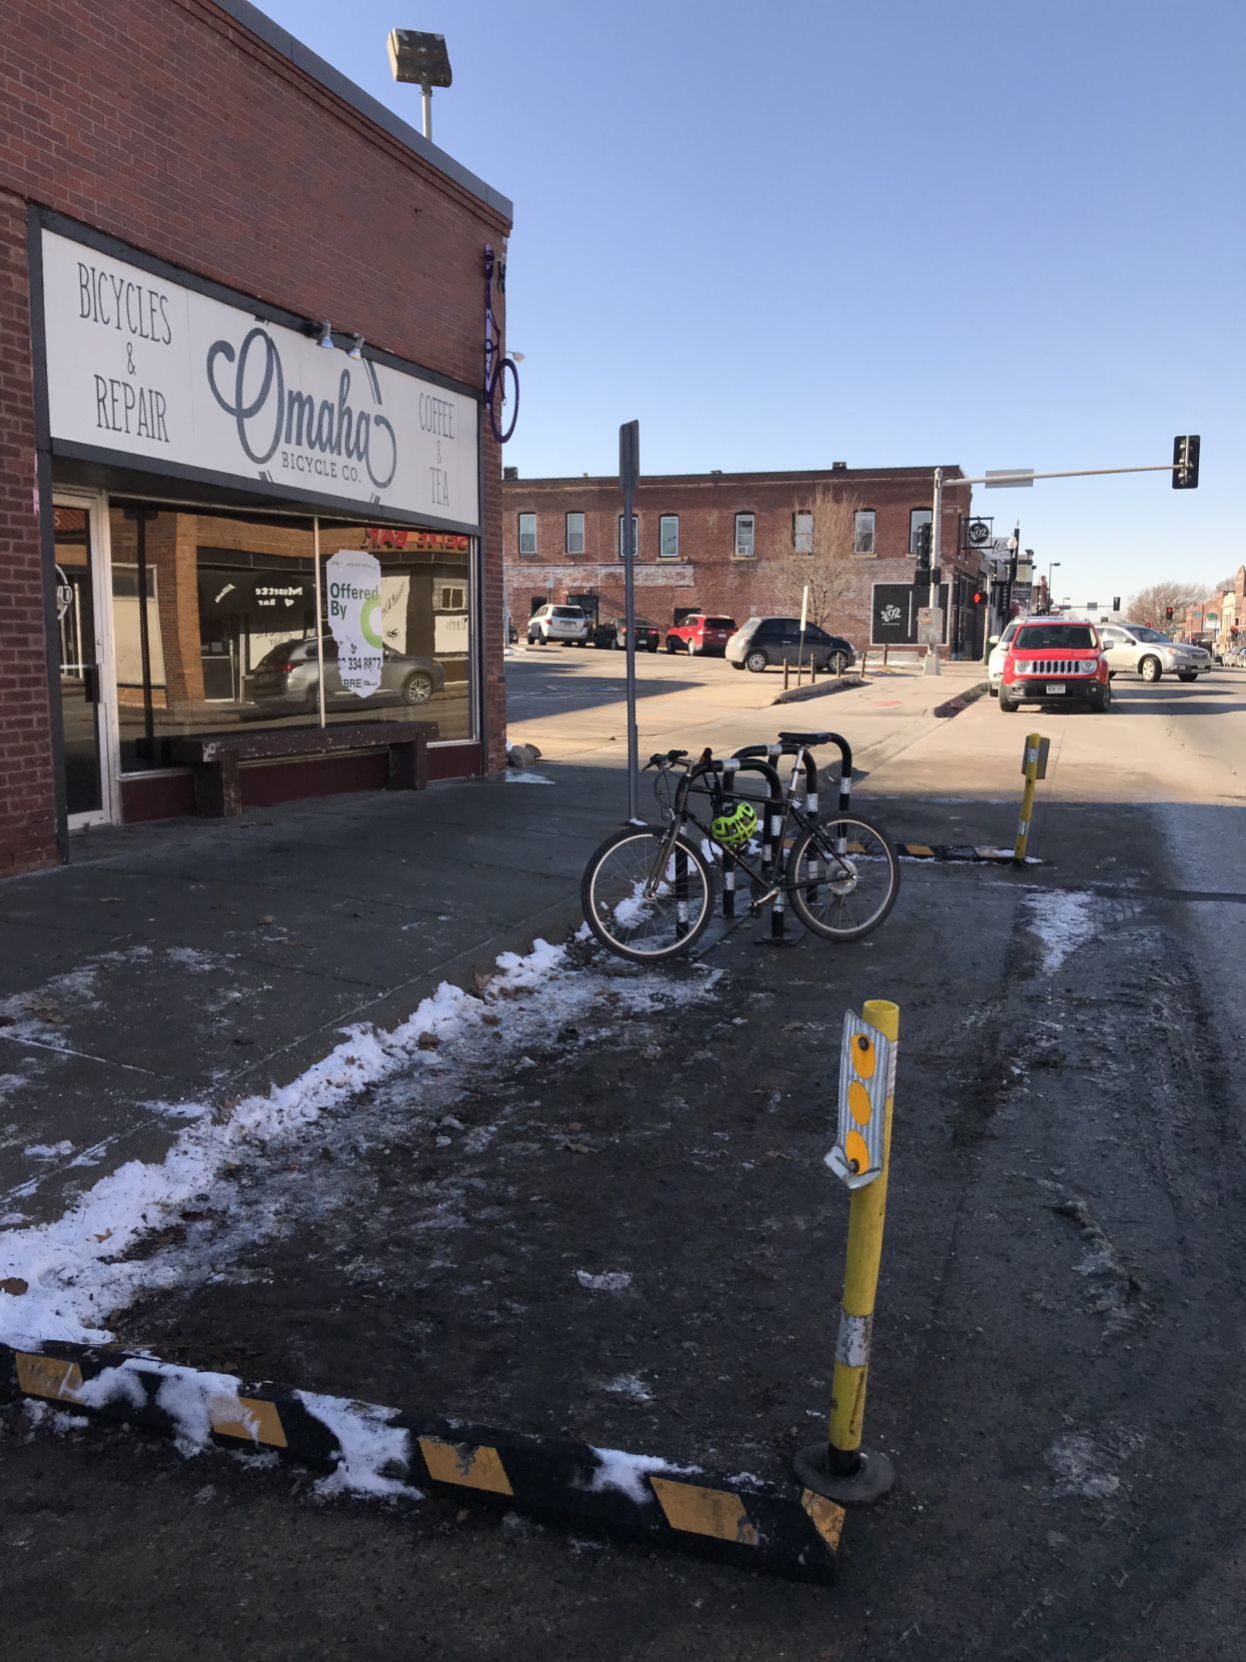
(859, 1103)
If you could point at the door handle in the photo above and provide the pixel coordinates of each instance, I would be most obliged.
(91, 683)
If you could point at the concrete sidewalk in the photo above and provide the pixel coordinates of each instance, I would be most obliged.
(198, 961)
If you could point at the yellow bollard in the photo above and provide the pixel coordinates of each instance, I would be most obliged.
(1033, 768)
(840, 1468)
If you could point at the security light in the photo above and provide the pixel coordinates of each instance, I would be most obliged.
(423, 59)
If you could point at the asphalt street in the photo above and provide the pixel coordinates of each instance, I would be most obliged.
(1057, 1368)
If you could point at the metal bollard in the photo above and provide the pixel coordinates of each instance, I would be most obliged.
(840, 1468)
(1033, 768)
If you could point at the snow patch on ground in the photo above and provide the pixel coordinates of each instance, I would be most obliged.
(630, 1386)
(610, 1281)
(375, 1454)
(48, 1151)
(1083, 1466)
(1062, 921)
(522, 777)
(627, 1473)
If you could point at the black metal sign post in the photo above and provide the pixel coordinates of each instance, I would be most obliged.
(629, 474)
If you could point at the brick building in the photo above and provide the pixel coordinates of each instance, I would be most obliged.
(241, 339)
(745, 544)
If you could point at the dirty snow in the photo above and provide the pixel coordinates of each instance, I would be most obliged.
(48, 1151)
(77, 1266)
(629, 1386)
(522, 777)
(375, 1454)
(611, 1281)
(1082, 1465)
(1062, 921)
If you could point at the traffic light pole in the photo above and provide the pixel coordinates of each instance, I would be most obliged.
(932, 665)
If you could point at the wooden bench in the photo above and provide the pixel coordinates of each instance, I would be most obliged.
(217, 757)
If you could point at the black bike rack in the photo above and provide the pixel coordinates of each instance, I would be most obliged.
(751, 755)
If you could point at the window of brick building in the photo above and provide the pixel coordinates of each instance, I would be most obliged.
(745, 536)
(527, 533)
(635, 537)
(575, 533)
(668, 537)
(917, 518)
(802, 532)
(863, 531)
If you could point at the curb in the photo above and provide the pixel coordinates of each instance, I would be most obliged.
(784, 1529)
(795, 695)
(962, 853)
(954, 706)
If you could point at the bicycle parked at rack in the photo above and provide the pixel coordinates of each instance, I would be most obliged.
(497, 365)
(648, 891)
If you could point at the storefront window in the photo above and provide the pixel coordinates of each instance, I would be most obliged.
(419, 611)
(214, 622)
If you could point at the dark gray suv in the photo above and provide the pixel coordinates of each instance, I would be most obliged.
(762, 641)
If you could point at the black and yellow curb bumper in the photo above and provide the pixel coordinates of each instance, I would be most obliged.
(784, 1529)
(963, 853)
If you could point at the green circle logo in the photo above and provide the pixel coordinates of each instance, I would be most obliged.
(369, 621)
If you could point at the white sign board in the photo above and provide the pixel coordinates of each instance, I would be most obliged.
(929, 626)
(147, 367)
(353, 594)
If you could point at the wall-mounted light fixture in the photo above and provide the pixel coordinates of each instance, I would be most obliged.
(356, 348)
(324, 335)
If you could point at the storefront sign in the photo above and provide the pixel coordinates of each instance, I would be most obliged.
(64, 594)
(146, 367)
(423, 542)
(894, 612)
(353, 593)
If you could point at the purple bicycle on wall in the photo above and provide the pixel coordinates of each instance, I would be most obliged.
(502, 418)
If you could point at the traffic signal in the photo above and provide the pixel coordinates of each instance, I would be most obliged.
(1168, 613)
(1116, 603)
(1185, 462)
(921, 545)
(979, 599)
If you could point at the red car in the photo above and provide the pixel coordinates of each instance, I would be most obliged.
(699, 633)
(1055, 661)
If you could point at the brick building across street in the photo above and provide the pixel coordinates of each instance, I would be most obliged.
(245, 483)
(743, 544)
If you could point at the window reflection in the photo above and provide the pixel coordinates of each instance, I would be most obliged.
(214, 622)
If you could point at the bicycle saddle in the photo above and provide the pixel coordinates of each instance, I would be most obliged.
(805, 738)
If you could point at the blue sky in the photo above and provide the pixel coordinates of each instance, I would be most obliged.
(888, 233)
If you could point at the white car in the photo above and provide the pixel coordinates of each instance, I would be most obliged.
(568, 624)
(1136, 649)
(999, 651)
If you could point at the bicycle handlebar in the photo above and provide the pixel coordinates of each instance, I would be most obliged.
(665, 758)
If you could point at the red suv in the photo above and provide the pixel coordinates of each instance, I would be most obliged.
(1055, 661)
(698, 633)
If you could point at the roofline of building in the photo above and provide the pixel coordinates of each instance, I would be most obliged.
(951, 476)
(310, 63)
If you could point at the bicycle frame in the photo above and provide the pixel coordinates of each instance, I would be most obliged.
(496, 361)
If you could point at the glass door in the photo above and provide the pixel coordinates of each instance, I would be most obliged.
(86, 676)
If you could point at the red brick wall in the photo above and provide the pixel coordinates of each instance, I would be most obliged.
(707, 574)
(166, 124)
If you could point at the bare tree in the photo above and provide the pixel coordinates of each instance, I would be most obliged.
(830, 541)
(1151, 605)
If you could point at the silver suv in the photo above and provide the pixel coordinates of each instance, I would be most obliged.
(567, 624)
(1133, 648)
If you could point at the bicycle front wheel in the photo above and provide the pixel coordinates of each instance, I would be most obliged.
(844, 878)
(646, 898)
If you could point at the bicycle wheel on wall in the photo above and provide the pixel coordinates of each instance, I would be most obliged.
(844, 878)
(646, 926)
(504, 401)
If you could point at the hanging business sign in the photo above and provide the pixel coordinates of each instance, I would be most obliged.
(353, 594)
(144, 367)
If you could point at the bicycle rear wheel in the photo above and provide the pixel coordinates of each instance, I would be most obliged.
(642, 905)
(844, 878)
(504, 402)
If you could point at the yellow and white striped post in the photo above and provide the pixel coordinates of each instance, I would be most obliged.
(840, 1468)
(1033, 768)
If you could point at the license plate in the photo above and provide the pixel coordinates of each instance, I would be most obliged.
(1055, 687)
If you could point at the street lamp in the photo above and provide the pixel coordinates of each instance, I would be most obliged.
(1050, 569)
(423, 59)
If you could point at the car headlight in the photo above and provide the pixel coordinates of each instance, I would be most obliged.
(1088, 665)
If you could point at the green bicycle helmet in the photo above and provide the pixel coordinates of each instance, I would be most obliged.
(735, 829)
